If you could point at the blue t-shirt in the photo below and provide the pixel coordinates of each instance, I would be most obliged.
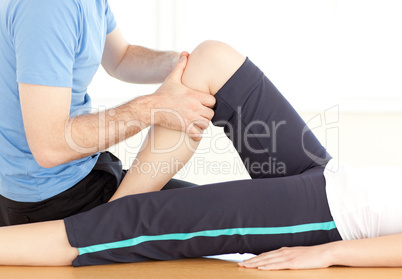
(54, 43)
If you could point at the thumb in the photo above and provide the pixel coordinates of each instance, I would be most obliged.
(178, 70)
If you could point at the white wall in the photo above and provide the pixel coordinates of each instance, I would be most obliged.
(319, 53)
(347, 50)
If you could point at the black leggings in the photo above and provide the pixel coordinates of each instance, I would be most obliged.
(95, 189)
(285, 203)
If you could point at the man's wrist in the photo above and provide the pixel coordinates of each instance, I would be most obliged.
(142, 106)
(175, 57)
(169, 61)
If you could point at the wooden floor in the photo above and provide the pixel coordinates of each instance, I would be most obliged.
(191, 269)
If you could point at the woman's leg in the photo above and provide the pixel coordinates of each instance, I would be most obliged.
(269, 135)
(163, 153)
(227, 217)
(241, 216)
(251, 216)
(38, 244)
(166, 151)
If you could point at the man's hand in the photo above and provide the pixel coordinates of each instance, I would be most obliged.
(178, 107)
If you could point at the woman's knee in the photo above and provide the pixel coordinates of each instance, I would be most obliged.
(210, 65)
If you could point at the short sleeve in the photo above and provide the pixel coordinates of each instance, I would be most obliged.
(110, 20)
(45, 35)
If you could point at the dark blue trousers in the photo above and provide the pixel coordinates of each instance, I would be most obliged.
(282, 205)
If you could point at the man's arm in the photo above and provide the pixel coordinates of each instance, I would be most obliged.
(136, 64)
(55, 138)
(384, 251)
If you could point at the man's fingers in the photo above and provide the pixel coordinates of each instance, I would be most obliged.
(179, 69)
(195, 133)
(208, 113)
(184, 53)
(206, 99)
(202, 124)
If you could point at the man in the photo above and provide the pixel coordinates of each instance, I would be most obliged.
(51, 165)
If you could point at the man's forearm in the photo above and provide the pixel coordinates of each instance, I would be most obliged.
(91, 133)
(144, 65)
(87, 134)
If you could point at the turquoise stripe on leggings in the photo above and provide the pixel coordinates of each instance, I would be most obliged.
(209, 233)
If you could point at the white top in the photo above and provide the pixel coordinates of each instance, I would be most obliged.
(364, 202)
